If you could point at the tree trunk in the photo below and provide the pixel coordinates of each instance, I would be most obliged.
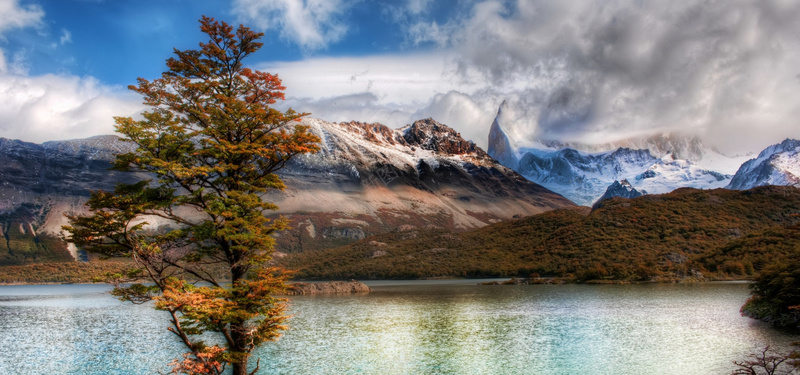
(240, 368)
(239, 347)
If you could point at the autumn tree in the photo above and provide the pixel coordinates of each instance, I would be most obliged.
(212, 143)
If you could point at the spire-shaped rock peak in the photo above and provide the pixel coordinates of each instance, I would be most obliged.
(500, 145)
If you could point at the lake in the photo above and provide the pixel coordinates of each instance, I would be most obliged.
(411, 327)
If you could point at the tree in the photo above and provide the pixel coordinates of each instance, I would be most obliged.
(212, 143)
(768, 362)
(775, 294)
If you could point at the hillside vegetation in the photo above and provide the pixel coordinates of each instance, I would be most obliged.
(689, 233)
(22, 244)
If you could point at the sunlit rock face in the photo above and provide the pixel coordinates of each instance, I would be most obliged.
(368, 178)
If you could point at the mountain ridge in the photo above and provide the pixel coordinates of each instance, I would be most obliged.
(366, 179)
(682, 235)
(778, 164)
(658, 163)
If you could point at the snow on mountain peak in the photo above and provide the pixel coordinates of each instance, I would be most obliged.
(778, 164)
(621, 188)
(434, 136)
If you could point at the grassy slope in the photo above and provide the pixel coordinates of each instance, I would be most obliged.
(653, 237)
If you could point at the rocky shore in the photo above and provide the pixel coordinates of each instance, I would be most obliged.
(328, 287)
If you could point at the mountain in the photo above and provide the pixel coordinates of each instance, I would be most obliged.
(621, 189)
(686, 234)
(583, 173)
(39, 182)
(582, 177)
(777, 165)
(366, 179)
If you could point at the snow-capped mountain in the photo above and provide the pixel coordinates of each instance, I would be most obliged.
(366, 179)
(657, 164)
(778, 164)
(621, 189)
(579, 176)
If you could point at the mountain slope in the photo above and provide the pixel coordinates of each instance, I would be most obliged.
(777, 165)
(38, 183)
(369, 179)
(660, 237)
(366, 179)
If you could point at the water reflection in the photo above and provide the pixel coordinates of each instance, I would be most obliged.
(446, 327)
(467, 329)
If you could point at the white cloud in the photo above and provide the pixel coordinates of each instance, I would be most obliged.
(394, 90)
(409, 78)
(3, 64)
(51, 107)
(581, 71)
(416, 7)
(66, 37)
(424, 32)
(312, 24)
(13, 16)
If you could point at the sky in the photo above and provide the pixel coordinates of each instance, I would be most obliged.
(585, 71)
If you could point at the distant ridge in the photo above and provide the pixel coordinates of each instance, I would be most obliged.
(682, 235)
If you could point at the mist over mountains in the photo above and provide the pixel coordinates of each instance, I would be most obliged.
(656, 163)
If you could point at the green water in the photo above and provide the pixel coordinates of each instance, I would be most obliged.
(413, 327)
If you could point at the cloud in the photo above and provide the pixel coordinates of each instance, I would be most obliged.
(429, 32)
(311, 24)
(66, 37)
(13, 16)
(416, 7)
(394, 90)
(51, 107)
(592, 71)
(395, 78)
(578, 71)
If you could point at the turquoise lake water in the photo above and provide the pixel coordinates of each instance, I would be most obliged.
(411, 327)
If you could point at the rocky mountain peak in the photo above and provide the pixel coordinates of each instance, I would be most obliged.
(622, 189)
(499, 142)
(778, 164)
(374, 132)
(434, 136)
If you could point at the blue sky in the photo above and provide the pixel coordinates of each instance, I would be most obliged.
(118, 41)
(579, 71)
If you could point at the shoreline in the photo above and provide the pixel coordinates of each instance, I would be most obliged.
(495, 281)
